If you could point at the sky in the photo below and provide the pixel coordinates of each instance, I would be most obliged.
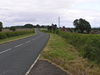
(46, 12)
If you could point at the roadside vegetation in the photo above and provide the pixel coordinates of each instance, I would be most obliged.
(61, 51)
(10, 36)
(76, 50)
(87, 44)
(15, 32)
(15, 38)
(4, 35)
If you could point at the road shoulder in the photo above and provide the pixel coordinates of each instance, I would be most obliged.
(44, 67)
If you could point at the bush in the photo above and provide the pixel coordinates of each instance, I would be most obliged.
(87, 44)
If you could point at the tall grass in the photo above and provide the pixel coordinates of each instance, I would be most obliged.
(87, 44)
(4, 35)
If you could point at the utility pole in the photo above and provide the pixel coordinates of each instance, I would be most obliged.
(59, 21)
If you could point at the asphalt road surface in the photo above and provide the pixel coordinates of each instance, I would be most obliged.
(16, 57)
(43, 67)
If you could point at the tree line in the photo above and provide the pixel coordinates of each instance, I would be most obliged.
(13, 28)
(81, 26)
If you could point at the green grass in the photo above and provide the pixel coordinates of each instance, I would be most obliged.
(15, 38)
(64, 50)
(7, 36)
(4, 35)
(87, 44)
(59, 50)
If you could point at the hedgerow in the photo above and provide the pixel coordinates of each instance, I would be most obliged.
(4, 35)
(87, 44)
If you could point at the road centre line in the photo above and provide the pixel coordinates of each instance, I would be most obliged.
(19, 45)
(16, 46)
(12, 48)
(5, 50)
(27, 41)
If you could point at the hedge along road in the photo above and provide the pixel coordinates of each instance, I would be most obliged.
(16, 57)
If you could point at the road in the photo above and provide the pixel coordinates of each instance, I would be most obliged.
(16, 57)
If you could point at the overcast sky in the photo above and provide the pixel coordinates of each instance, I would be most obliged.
(20, 12)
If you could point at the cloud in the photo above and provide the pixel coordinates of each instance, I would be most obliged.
(17, 12)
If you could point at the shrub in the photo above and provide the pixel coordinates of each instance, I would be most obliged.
(87, 44)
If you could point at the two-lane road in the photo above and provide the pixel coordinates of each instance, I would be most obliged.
(16, 57)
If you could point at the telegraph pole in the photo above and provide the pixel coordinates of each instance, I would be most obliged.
(59, 21)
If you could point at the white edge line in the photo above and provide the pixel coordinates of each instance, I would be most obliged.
(27, 73)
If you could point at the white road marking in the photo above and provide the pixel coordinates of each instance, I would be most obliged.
(16, 46)
(19, 45)
(27, 73)
(6, 50)
(27, 41)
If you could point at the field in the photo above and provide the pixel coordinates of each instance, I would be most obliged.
(76, 53)
(7, 35)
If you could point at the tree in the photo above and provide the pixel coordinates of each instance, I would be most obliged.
(81, 25)
(1, 26)
(49, 28)
(12, 28)
(54, 27)
(28, 26)
(38, 26)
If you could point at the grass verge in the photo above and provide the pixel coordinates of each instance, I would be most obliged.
(60, 52)
(15, 38)
(87, 44)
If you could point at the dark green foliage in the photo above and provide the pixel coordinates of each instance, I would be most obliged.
(1, 26)
(87, 44)
(52, 28)
(38, 26)
(28, 26)
(12, 28)
(82, 26)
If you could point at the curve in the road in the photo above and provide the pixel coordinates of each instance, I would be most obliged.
(16, 57)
